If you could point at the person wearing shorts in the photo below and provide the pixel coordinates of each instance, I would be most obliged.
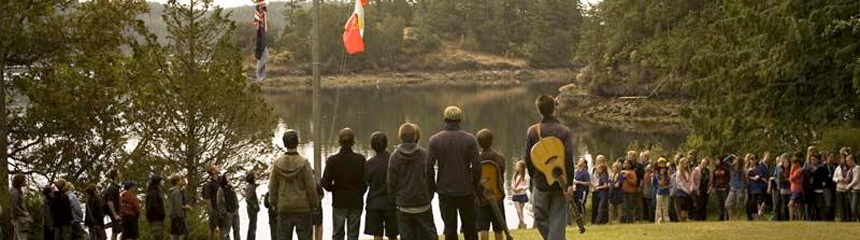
(795, 204)
(381, 217)
(520, 184)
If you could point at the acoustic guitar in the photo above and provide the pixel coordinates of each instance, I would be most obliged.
(548, 157)
(491, 180)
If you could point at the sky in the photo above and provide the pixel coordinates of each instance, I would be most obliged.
(234, 3)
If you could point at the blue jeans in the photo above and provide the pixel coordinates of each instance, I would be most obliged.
(550, 214)
(349, 218)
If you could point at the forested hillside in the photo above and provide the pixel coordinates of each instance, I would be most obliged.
(402, 34)
(783, 70)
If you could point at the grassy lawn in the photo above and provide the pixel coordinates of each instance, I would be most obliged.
(711, 230)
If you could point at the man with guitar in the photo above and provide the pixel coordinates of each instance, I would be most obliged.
(549, 160)
(491, 204)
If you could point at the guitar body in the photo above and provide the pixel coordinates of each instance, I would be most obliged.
(548, 157)
(491, 179)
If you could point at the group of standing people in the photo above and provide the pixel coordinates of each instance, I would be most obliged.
(66, 217)
(400, 185)
(790, 187)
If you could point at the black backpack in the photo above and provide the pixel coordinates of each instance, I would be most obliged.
(231, 202)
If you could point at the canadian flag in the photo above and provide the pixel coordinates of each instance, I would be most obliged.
(353, 33)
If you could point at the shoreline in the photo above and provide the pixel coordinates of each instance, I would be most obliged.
(496, 78)
(575, 102)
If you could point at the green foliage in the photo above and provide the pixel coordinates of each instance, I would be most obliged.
(772, 70)
(73, 123)
(836, 138)
(783, 71)
(197, 107)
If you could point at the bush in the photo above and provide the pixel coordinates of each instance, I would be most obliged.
(836, 138)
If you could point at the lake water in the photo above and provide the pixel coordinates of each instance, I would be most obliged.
(507, 111)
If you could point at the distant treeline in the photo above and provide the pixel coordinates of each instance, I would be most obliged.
(400, 32)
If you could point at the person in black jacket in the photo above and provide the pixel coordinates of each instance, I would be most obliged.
(94, 220)
(459, 178)
(111, 198)
(61, 211)
(410, 187)
(155, 207)
(253, 204)
(48, 213)
(343, 177)
(381, 217)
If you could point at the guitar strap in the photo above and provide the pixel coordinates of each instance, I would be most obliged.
(539, 132)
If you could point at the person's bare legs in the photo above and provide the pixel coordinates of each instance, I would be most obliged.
(318, 232)
(519, 206)
(499, 236)
(485, 235)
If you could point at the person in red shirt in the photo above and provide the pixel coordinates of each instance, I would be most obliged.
(795, 205)
(129, 210)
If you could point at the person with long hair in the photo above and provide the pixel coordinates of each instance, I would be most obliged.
(94, 220)
(595, 181)
(780, 187)
(601, 192)
(854, 186)
(21, 219)
(755, 187)
(154, 203)
(616, 197)
(686, 186)
(842, 176)
(702, 183)
(662, 184)
(737, 184)
(795, 204)
(519, 185)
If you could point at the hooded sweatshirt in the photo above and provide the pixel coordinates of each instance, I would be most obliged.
(292, 186)
(407, 178)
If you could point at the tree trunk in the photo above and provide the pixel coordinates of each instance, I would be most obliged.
(4, 132)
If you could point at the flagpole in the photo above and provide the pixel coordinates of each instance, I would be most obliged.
(317, 131)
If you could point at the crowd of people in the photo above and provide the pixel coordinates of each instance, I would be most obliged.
(789, 187)
(395, 190)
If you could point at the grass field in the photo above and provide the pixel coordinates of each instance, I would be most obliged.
(711, 231)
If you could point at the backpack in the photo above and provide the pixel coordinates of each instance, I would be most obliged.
(231, 202)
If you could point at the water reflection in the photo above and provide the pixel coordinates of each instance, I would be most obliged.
(507, 111)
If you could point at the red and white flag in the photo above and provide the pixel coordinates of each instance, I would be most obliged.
(353, 34)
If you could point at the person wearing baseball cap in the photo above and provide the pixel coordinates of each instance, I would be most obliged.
(456, 151)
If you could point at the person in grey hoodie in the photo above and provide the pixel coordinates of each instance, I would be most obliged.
(21, 219)
(411, 187)
(456, 152)
(292, 188)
